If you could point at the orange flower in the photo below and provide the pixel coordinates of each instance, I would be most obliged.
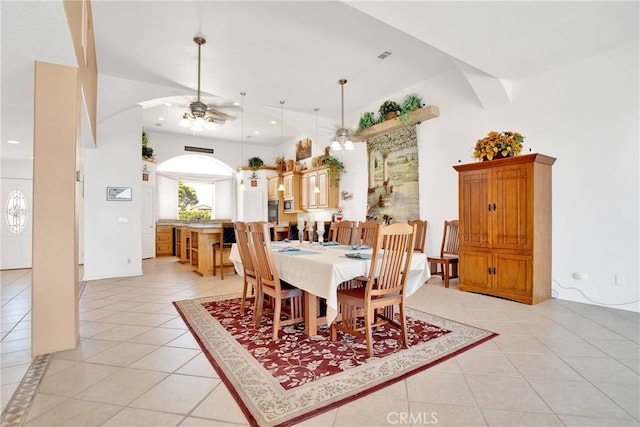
(506, 144)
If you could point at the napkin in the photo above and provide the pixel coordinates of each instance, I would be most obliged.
(358, 255)
(358, 247)
(331, 244)
(291, 248)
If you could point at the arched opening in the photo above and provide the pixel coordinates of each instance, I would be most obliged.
(212, 180)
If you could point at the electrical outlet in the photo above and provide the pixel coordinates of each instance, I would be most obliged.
(619, 279)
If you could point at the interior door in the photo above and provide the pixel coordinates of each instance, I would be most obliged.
(147, 222)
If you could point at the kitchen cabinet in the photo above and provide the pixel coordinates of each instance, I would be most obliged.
(320, 190)
(202, 240)
(272, 187)
(505, 227)
(183, 243)
(164, 240)
(292, 191)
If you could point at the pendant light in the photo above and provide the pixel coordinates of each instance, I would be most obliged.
(342, 139)
(316, 190)
(242, 186)
(281, 186)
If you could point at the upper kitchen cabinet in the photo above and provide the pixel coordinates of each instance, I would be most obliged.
(320, 189)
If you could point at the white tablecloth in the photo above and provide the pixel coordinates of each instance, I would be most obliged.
(320, 270)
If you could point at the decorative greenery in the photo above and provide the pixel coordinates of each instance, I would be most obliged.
(337, 167)
(389, 109)
(498, 145)
(255, 163)
(367, 120)
(147, 152)
(410, 103)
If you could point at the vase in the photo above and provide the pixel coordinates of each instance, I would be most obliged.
(499, 155)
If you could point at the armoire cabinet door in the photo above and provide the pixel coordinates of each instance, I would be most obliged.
(513, 274)
(473, 270)
(512, 217)
(474, 213)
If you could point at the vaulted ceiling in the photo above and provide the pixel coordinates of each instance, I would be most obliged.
(297, 51)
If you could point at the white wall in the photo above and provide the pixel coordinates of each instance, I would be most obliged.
(585, 114)
(112, 228)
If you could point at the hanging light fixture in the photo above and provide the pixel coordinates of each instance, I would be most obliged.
(342, 139)
(281, 186)
(242, 187)
(199, 117)
(316, 190)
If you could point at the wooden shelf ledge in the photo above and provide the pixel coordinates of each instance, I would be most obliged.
(417, 116)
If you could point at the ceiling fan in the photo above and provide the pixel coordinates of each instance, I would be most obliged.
(201, 115)
(342, 139)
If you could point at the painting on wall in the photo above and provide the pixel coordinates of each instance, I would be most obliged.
(393, 193)
(303, 149)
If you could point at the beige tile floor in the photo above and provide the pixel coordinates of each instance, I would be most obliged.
(555, 363)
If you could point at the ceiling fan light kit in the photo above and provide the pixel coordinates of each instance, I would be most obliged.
(199, 117)
(342, 140)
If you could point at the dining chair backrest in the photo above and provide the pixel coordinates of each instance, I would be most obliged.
(260, 249)
(450, 238)
(248, 270)
(366, 232)
(242, 242)
(421, 234)
(388, 273)
(343, 232)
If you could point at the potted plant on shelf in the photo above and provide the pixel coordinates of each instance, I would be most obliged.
(389, 110)
(255, 163)
(337, 167)
(410, 103)
(367, 120)
(147, 152)
(498, 145)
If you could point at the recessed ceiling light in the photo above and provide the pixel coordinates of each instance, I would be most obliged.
(161, 118)
(168, 104)
(257, 132)
(13, 141)
(273, 122)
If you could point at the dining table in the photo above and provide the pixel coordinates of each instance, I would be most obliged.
(319, 269)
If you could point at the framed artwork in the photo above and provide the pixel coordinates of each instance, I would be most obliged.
(303, 149)
(393, 193)
(119, 194)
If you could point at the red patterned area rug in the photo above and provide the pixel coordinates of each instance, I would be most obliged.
(297, 377)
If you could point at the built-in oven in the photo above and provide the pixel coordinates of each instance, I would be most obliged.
(288, 206)
(272, 211)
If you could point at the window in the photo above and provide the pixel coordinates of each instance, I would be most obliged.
(16, 212)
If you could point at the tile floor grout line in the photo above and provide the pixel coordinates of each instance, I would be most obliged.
(17, 409)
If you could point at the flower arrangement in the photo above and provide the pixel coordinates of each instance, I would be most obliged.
(498, 145)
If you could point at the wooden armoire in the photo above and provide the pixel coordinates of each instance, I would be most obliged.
(505, 227)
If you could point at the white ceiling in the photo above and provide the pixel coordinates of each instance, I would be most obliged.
(297, 52)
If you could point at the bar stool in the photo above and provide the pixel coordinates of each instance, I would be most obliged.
(227, 239)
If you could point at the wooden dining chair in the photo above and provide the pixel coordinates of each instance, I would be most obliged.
(421, 234)
(363, 308)
(286, 300)
(249, 272)
(446, 265)
(365, 232)
(343, 232)
(227, 238)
